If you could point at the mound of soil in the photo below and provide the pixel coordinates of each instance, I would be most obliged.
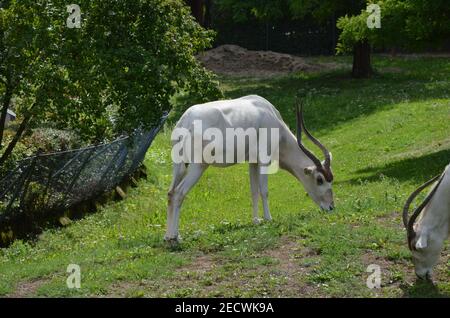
(238, 61)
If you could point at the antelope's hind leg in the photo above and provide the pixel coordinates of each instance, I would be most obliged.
(176, 197)
(178, 173)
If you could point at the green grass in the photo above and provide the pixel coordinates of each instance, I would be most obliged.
(388, 134)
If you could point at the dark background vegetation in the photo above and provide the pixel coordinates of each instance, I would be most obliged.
(311, 27)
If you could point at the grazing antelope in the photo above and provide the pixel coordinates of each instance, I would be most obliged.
(426, 236)
(246, 113)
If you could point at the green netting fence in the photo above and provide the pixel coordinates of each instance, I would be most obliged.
(46, 183)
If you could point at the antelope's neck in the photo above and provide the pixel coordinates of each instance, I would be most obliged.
(292, 158)
(436, 214)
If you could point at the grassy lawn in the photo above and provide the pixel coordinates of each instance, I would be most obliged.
(387, 134)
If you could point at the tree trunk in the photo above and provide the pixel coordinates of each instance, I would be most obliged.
(362, 67)
(208, 14)
(197, 10)
(4, 112)
(12, 144)
(333, 34)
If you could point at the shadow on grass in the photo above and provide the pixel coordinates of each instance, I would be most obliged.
(422, 289)
(417, 169)
(334, 94)
(189, 241)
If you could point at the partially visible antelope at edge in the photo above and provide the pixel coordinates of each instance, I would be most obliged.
(251, 112)
(426, 236)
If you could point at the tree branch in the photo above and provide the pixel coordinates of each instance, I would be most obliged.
(4, 112)
(12, 144)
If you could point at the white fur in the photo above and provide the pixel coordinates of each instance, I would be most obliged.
(246, 112)
(433, 228)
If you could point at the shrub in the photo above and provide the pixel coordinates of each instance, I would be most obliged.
(116, 73)
(53, 140)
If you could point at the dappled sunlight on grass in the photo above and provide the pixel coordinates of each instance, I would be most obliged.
(387, 135)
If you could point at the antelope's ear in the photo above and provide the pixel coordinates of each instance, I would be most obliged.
(308, 171)
(422, 242)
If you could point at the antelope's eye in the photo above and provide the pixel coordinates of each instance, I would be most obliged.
(319, 181)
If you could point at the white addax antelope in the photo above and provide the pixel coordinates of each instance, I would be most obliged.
(426, 236)
(246, 113)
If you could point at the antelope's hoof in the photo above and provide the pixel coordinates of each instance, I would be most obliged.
(172, 241)
(257, 221)
(268, 219)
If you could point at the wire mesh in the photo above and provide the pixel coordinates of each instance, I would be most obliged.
(56, 181)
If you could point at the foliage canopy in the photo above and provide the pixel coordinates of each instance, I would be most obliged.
(404, 24)
(114, 74)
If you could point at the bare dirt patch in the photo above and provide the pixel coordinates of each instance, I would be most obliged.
(397, 277)
(288, 255)
(201, 264)
(233, 60)
(27, 289)
(184, 278)
(276, 272)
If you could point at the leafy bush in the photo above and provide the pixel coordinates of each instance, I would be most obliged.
(136, 56)
(45, 140)
(198, 92)
(20, 151)
(36, 200)
(114, 74)
(53, 140)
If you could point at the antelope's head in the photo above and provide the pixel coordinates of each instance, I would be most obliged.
(318, 177)
(424, 247)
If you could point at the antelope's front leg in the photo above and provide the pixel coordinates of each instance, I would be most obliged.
(254, 186)
(264, 191)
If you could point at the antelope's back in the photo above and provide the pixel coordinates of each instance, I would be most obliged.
(246, 112)
(249, 113)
